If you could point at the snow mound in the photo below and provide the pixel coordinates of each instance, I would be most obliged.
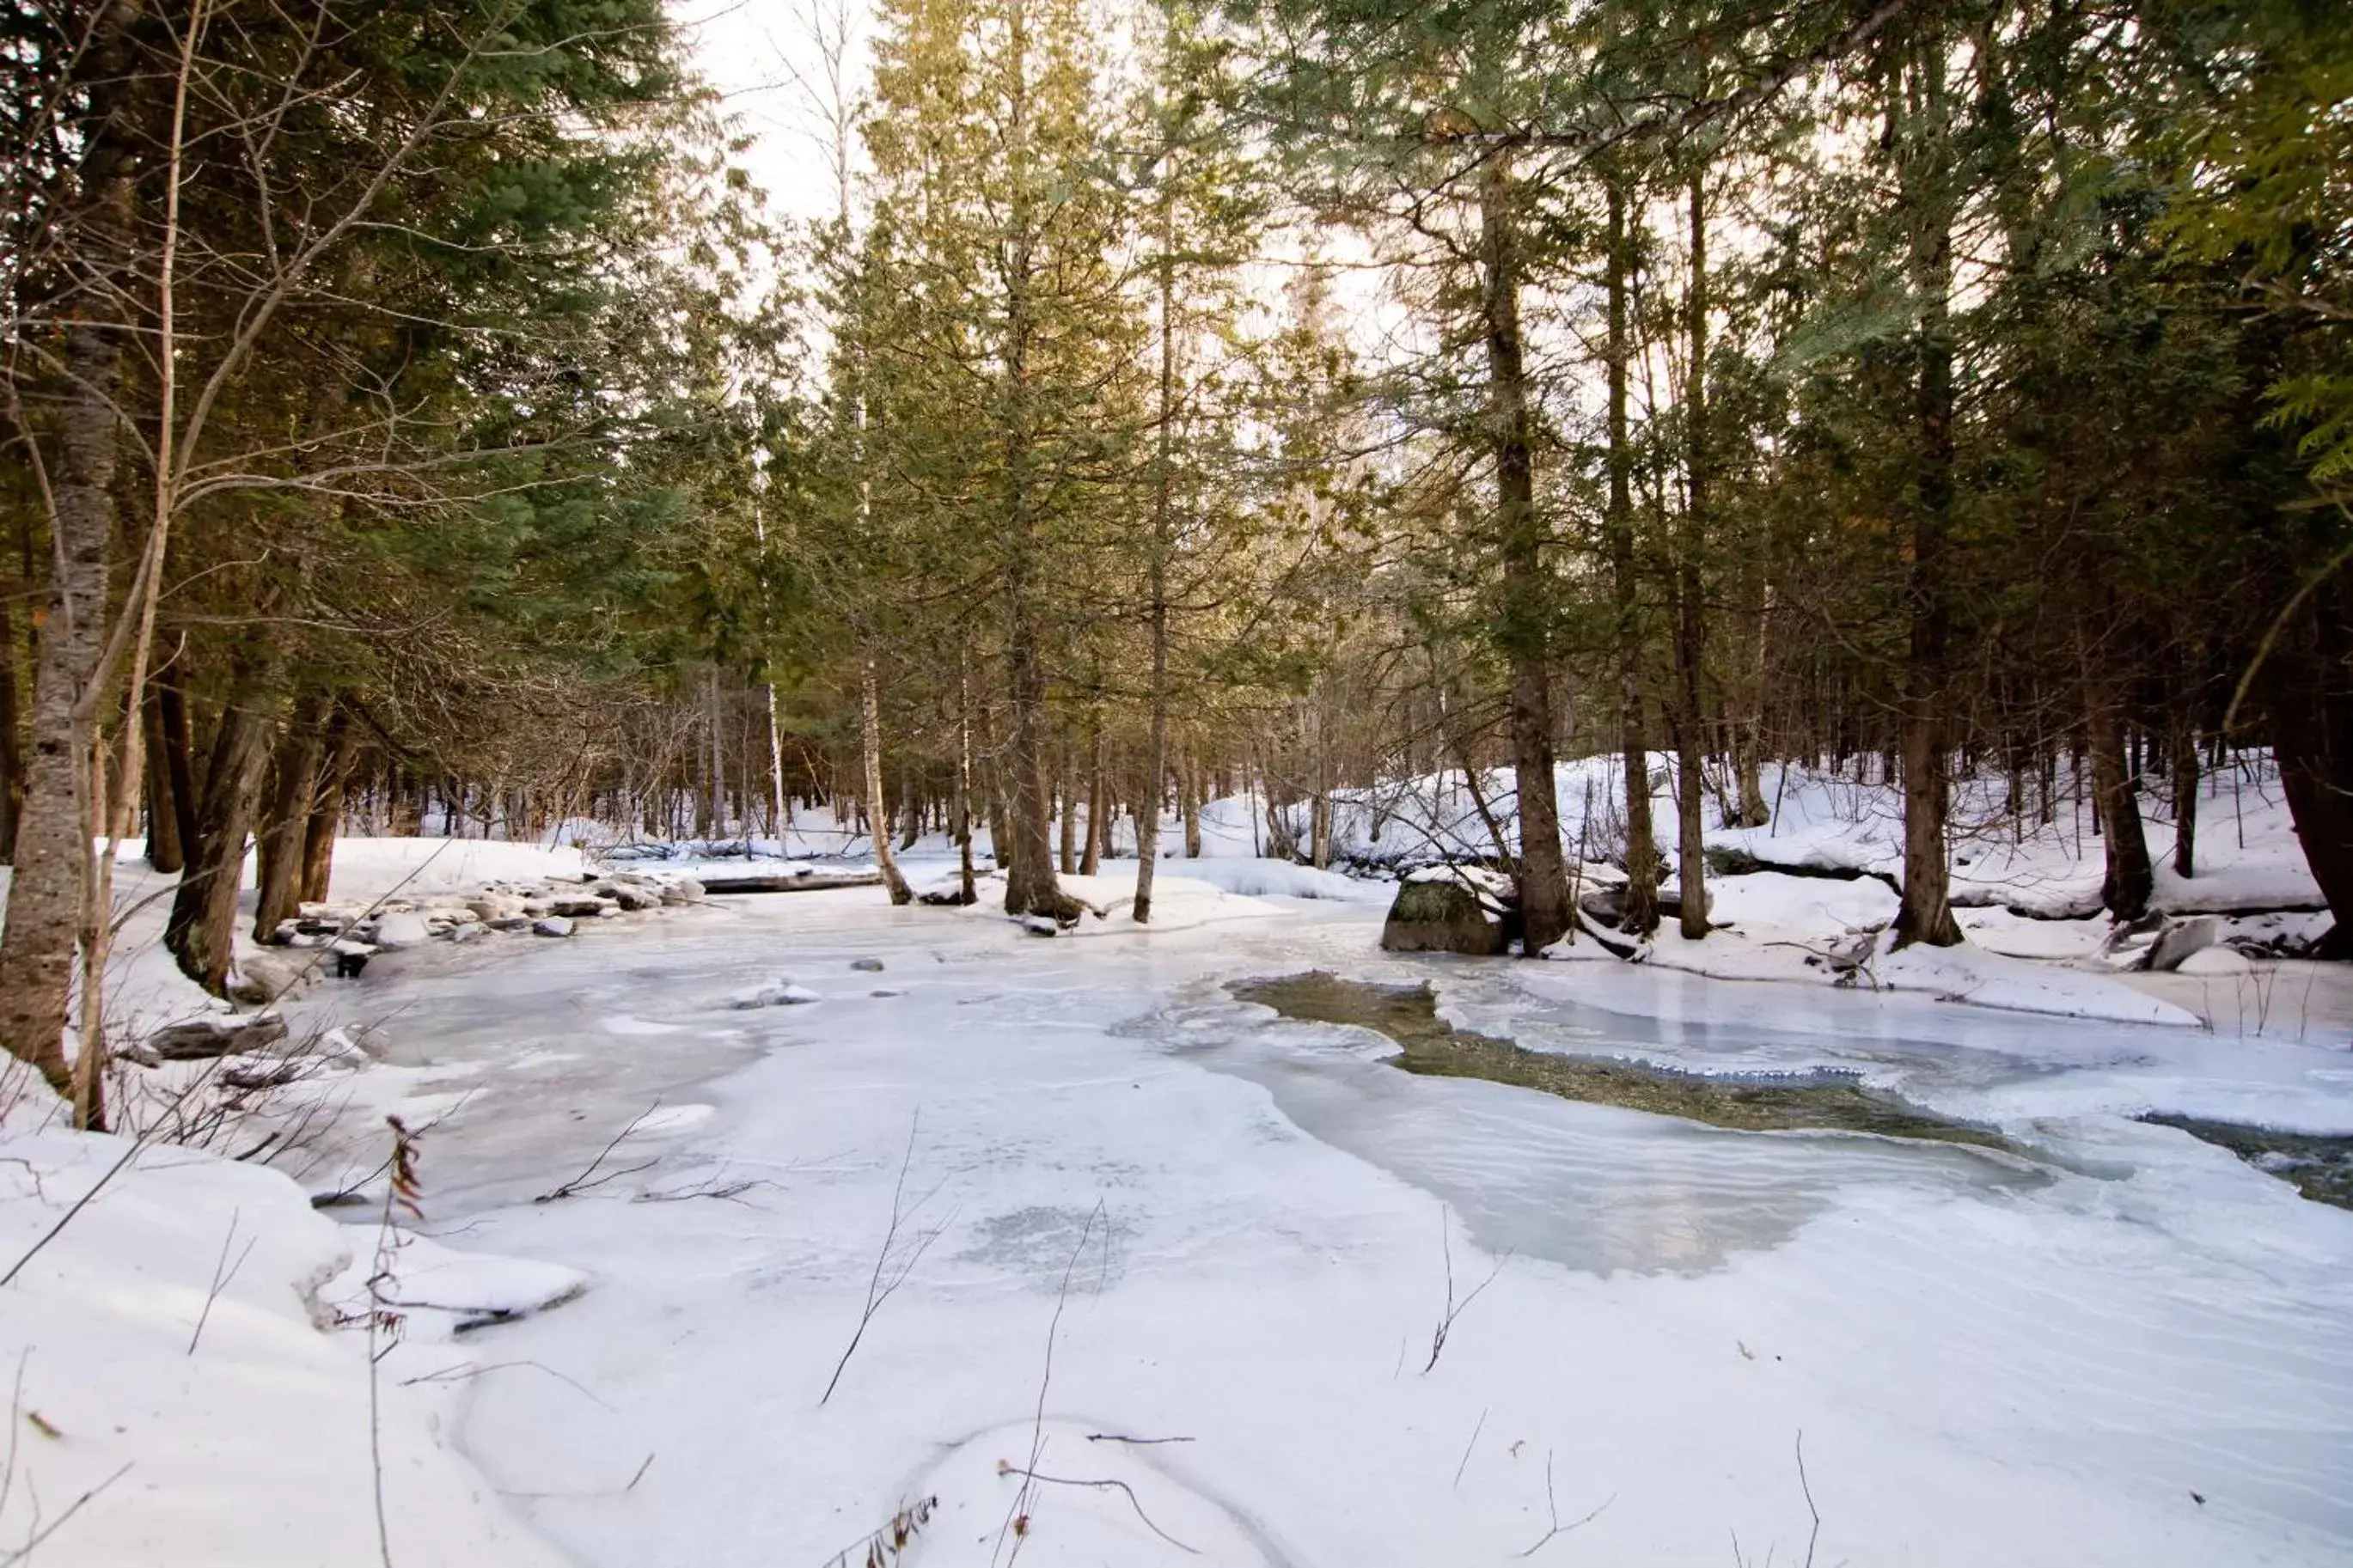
(171, 1342)
(1966, 973)
(366, 869)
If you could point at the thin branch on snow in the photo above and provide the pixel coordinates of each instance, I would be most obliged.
(1808, 1488)
(223, 1271)
(1552, 1505)
(1475, 1430)
(1016, 1517)
(1455, 1309)
(465, 1373)
(582, 1182)
(890, 1272)
(1007, 1467)
(42, 1533)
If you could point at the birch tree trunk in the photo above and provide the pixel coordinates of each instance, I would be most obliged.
(878, 817)
(53, 837)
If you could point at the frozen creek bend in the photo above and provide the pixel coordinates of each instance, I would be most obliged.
(1990, 1359)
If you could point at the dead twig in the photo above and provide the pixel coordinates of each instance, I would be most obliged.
(1139, 1442)
(1007, 1467)
(463, 1373)
(1807, 1487)
(890, 1273)
(1475, 1430)
(1455, 1309)
(583, 1182)
(880, 1548)
(1016, 1517)
(33, 1542)
(1552, 1506)
(223, 1271)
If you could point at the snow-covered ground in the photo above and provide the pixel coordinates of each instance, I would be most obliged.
(1237, 1231)
(1234, 1235)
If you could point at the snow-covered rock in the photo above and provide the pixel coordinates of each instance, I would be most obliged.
(552, 925)
(200, 1039)
(401, 928)
(775, 994)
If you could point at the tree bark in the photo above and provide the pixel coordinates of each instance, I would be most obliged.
(878, 815)
(1189, 808)
(1641, 843)
(12, 764)
(1691, 861)
(286, 818)
(2309, 682)
(326, 818)
(201, 927)
(960, 821)
(1527, 607)
(164, 852)
(2129, 880)
(1924, 915)
(52, 851)
(1164, 482)
(1098, 801)
(1067, 822)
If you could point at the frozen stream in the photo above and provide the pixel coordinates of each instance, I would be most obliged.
(2133, 1348)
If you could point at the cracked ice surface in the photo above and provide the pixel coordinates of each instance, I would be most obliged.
(1991, 1361)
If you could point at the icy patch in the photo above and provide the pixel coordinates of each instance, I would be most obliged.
(623, 1024)
(672, 1118)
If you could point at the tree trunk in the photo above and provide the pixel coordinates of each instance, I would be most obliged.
(1189, 808)
(2129, 881)
(1030, 887)
(1641, 843)
(164, 809)
(1098, 799)
(326, 817)
(877, 817)
(203, 921)
(960, 821)
(1691, 861)
(52, 849)
(1066, 824)
(12, 764)
(286, 818)
(1527, 607)
(1925, 915)
(2309, 677)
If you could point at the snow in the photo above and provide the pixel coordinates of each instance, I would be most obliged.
(1113, 1202)
(1237, 1231)
(236, 1433)
(1830, 822)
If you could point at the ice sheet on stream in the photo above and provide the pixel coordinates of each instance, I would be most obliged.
(1989, 1362)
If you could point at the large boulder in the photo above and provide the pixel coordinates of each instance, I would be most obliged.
(1444, 916)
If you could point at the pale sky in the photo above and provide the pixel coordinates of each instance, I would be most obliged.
(750, 51)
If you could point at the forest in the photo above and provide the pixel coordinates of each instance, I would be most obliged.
(415, 414)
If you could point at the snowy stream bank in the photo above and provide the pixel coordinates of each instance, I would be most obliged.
(1238, 1231)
